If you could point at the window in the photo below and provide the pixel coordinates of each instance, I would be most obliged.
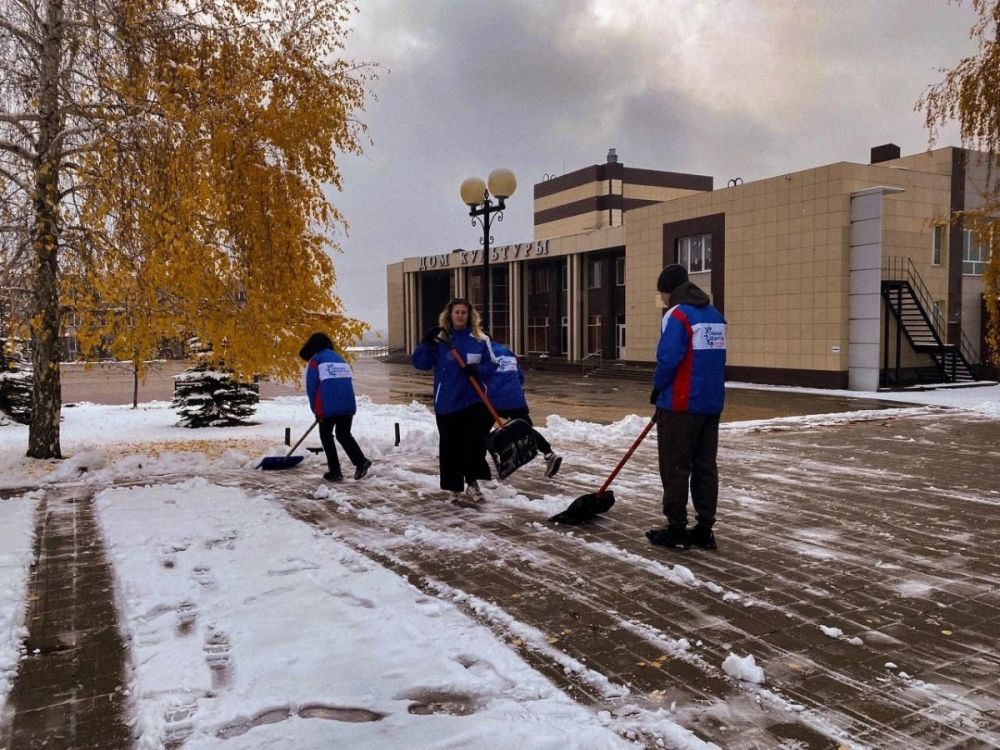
(936, 244)
(593, 334)
(620, 271)
(564, 336)
(475, 290)
(975, 255)
(538, 335)
(71, 349)
(539, 281)
(695, 252)
(501, 308)
(594, 274)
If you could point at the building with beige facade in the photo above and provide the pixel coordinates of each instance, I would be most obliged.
(843, 275)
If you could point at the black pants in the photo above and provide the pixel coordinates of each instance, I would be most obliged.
(540, 442)
(462, 446)
(688, 446)
(342, 425)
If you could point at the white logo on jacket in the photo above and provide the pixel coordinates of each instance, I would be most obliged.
(708, 336)
(329, 370)
(703, 335)
(506, 364)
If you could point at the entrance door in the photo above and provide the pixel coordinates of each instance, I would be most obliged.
(619, 340)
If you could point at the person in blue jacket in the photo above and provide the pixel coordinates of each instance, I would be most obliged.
(505, 390)
(462, 418)
(330, 389)
(689, 388)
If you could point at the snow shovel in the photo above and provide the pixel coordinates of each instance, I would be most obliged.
(585, 507)
(512, 443)
(271, 463)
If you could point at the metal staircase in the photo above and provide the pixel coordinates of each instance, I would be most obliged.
(921, 322)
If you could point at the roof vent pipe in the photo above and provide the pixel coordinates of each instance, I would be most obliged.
(612, 156)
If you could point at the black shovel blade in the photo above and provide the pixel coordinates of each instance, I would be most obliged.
(585, 507)
(272, 463)
(511, 447)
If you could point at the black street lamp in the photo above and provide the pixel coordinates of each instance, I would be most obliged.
(476, 196)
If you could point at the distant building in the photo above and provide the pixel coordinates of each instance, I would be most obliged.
(844, 275)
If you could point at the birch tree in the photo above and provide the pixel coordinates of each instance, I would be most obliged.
(220, 191)
(172, 157)
(40, 103)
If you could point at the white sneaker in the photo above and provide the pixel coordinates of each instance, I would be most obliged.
(475, 494)
(456, 497)
(552, 464)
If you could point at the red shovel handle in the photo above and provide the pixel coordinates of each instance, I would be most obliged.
(627, 456)
(478, 389)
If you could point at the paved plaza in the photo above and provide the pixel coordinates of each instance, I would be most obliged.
(857, 563)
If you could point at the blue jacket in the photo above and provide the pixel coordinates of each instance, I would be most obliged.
(452, 391)
(329, 385)
(691, 356)
(505, 389)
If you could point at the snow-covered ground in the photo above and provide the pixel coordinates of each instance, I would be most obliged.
(17, 524)
(984, 398)
(249, 629)
(311, 643)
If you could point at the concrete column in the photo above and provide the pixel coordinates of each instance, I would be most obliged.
(574, 298)
(458, 281)
(406, 310)
(410, 311)
(865, 290)
(516, 306)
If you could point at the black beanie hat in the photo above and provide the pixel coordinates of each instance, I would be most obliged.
(671, 277)
(317, 342)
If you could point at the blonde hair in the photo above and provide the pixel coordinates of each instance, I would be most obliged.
(475, 322)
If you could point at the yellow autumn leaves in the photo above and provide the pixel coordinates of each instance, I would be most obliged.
(970, 95)
(205, 192)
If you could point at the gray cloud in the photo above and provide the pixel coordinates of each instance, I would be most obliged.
(725, 88)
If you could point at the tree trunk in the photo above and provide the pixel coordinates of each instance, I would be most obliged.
(135, 385)
(43, 433)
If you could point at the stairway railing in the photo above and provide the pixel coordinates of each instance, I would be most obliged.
(593, 361)
(901, 268)
(965, 346)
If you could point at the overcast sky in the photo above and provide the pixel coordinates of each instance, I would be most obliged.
(727, 88)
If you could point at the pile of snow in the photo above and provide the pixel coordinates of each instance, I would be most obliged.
(743, 668)
(17, 541)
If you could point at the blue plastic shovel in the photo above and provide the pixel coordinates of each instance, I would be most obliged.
(271, 463)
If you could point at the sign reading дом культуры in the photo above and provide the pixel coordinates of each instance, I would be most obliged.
(474, 257)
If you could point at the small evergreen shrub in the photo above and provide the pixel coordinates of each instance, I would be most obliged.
(205, 397)
(15, 383)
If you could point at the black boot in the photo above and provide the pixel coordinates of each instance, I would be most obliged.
(362, 471)
(702, 536)
(673, 535)
(333, 476)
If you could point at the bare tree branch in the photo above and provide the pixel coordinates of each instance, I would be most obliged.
(16, 180)
(16, 150)
(62, 135)
(20, 34)
(19, 118)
